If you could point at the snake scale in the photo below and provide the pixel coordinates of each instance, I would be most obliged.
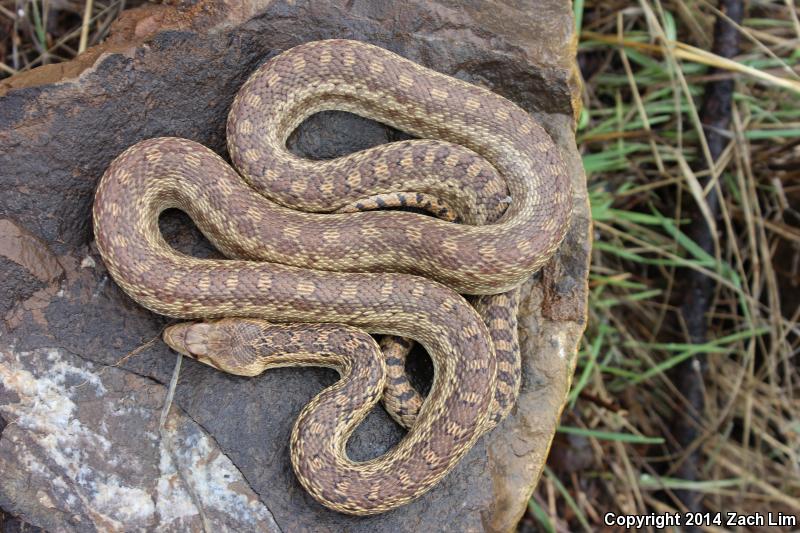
(310, 284)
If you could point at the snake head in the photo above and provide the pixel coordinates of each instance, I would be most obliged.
(191, 339)
(214, 343)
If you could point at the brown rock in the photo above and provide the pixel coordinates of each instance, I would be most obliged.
(27, 263)
(72, 338)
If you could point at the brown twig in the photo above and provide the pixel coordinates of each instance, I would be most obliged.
(689, 376)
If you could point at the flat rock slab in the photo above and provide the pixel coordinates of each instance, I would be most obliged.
(83, 375)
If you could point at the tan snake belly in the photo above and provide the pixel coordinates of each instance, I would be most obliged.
(385, 272)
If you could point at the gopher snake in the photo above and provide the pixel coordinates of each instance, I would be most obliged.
(384, 272)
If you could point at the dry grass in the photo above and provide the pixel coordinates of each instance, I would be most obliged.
(40, 32)
(645, 66)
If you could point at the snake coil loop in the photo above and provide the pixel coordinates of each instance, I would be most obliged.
(292, 274)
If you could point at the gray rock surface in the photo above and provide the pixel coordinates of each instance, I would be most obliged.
(83, 374)
(85, 443)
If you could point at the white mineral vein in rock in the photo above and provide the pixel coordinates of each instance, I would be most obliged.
(88, 473)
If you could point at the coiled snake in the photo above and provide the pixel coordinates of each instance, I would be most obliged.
(380, 272)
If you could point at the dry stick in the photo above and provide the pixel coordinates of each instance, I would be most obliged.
(696, 55)
(87, 17)
(689, 375)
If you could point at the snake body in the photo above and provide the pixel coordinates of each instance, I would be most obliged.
(383, 272)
